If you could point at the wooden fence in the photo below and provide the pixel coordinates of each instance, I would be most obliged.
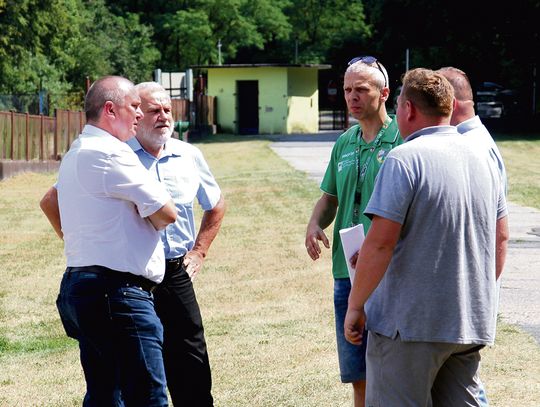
(204, 109)
(30, 137)
(180, 109)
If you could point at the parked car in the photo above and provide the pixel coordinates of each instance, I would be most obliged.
(488, 105)
(494, 101)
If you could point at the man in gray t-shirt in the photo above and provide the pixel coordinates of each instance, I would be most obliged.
(439, 232)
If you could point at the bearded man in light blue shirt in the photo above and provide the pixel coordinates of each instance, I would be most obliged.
(183, 170)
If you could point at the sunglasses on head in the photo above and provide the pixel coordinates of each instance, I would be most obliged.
(369, 60)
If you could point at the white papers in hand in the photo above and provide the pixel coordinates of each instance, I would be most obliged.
(351, 241)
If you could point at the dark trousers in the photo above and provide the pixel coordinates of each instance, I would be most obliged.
(184, 347)
(112, 315)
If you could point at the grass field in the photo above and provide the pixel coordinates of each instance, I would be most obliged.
(521, 154)
(267, 307)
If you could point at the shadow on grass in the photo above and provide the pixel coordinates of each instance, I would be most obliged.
(35, 344)
(514, 128)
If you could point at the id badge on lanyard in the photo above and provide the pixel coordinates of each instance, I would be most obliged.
(362, 169)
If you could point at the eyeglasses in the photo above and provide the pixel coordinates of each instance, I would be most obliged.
(369, 60)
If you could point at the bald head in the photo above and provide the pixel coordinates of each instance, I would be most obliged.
(109, 88)
(459, 81)
(464, 109)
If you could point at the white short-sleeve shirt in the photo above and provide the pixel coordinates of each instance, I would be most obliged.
(104, 196)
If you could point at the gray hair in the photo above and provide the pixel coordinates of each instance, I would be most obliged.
(148, 87)
(377, 76)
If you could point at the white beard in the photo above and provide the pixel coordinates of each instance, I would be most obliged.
(156, 141)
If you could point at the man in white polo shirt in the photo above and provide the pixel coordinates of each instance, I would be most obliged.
(468, 122)
(109, 211)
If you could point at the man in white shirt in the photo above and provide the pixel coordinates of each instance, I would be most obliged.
(468, 122)
(108, 209)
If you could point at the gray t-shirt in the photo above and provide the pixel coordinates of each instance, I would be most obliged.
(440, 285)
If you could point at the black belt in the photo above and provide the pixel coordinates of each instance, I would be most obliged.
(118, 276)
(177, 261)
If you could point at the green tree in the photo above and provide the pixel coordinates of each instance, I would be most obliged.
(111, 44)
(321, 26)
(187, 32)
(56, 44)
(491, 42)
(191, 39)
(33, 40)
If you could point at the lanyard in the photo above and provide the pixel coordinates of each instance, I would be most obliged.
(362, 169)
(376, 143)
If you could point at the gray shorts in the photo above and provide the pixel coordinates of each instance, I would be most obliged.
(402, 374)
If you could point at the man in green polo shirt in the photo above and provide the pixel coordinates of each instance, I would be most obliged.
(347, 186)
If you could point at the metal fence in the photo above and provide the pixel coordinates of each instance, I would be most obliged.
(333, 119)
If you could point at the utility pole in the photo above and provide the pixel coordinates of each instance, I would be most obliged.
(219, 51)
(534, 91)
(406, 59)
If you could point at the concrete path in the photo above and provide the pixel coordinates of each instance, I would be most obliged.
(520, 293)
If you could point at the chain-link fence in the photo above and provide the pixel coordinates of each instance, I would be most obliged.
(43, 103)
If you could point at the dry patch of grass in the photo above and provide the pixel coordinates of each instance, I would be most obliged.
(511, 368)
(267, 307)
(522, 161)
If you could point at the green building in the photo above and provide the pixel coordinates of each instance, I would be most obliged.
(265, 98)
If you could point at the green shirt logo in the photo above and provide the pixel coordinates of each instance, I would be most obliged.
(381, 155)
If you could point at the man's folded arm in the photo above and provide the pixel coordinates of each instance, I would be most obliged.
(163, 216)
(49, 206)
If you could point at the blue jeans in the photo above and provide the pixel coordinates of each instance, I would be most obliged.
(352, 358)
(120, 337)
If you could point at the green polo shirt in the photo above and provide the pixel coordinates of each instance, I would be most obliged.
(342, 180)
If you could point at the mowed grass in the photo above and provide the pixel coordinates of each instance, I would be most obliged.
(267, 307)
(521, 154)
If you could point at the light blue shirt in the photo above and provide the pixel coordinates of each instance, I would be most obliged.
(183, 170)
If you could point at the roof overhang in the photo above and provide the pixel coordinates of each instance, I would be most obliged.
(225, 66)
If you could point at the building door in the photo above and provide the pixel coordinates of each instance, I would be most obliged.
(247, 102)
